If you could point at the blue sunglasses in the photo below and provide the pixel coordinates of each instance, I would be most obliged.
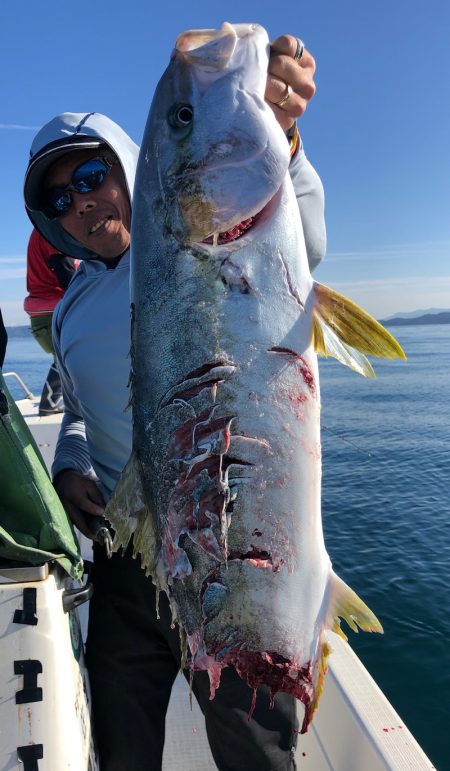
(88, 176)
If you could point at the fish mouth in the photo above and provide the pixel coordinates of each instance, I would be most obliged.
(233, 233)
(199, 213)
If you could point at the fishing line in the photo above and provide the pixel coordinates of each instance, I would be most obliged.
(346, 441)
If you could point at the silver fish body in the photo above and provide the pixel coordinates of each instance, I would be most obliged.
(225, 387)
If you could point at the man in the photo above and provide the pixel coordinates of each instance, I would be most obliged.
(78, 191)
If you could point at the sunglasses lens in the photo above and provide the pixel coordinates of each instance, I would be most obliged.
(62, 203)
(58, 202)
(89, 175)
(86, 177)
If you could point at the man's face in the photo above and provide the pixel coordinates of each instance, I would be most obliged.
(99, 220)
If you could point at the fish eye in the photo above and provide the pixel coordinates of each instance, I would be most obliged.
(181, 115)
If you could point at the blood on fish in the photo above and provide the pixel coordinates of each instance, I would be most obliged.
(278, 566)
(298, 397)
(256, 557)
(196, 507)
(252, 706)
(272, 670)
(307, 375)
(196, 431)
(214, 673)
(304, 368)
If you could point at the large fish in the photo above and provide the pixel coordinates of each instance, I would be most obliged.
(222, 493)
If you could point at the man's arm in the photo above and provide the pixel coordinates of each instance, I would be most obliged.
(72, 470)
(311, 202)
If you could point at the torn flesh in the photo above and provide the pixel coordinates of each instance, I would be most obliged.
(201, 451)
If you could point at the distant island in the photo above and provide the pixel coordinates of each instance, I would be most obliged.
(427, 318)
(19, 331)
(402, 320)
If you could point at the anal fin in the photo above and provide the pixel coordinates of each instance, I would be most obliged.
(345, 604)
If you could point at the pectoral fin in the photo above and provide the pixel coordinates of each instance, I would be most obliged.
(345, 603)
(344, 330)
(131, 518)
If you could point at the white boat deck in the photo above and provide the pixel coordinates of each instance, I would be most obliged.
(355, 727)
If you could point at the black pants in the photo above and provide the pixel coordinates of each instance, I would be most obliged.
(133, 659)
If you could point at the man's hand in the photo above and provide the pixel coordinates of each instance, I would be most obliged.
(79, 495)
(285, 72)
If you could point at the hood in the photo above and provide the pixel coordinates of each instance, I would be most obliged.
(72, 131)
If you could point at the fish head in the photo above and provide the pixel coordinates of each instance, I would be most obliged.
(212, 145)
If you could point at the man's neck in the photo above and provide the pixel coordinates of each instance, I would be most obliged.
(113, 262)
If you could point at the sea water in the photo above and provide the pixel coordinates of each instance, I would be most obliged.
(386, 512)
(26, 357)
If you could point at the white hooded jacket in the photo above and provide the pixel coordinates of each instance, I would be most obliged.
(91, 324)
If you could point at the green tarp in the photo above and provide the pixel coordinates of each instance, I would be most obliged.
(34, 527)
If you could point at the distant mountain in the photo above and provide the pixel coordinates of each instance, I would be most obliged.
(430, 316)
(442, 317)
(414, 314)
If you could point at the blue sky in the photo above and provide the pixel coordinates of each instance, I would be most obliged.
(377, 131)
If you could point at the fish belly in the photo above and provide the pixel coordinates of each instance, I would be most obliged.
(227, 427)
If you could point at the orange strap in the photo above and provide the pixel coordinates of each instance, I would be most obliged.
(294, 139)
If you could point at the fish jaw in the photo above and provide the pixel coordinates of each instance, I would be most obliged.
(232, 47)
(232, 131)
(209, 49)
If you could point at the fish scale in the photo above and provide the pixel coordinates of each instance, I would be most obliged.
(222, 493)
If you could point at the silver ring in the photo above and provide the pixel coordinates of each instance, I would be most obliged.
(299, 52)
(283, 101)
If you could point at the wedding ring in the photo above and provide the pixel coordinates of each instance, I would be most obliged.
(283, 101)
(299, 52)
